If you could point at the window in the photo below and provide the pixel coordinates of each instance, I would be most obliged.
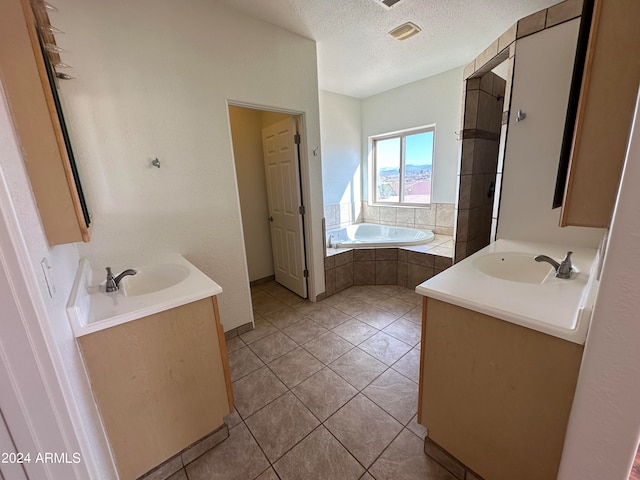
(402, 167)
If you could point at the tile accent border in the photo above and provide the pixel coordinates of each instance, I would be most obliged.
(188, 455)
(448, 461)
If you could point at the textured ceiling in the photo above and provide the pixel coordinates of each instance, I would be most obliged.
(357, 56)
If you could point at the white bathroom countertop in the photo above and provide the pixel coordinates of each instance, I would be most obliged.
(557, 307)
(91, 309)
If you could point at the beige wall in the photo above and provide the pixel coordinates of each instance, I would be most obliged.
(154, 79)
(541, 82)
(246, 127)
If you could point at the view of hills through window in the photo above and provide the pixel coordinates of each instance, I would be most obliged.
(414, 153)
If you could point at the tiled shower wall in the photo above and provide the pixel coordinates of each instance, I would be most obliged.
(483, 115)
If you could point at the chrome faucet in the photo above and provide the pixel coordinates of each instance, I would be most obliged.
(563, 269)
(113, 283)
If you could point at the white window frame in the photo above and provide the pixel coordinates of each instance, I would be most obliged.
(402, 134)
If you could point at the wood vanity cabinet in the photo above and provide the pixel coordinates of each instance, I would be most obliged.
(38, 127)
(160, 382)
(605, 112)
(493, 394)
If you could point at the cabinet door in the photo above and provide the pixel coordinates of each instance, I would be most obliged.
(160, 383)
(605, 112)
(38, 127)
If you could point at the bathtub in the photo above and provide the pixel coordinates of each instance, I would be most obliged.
(362, 235)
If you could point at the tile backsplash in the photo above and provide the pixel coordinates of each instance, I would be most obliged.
(438, 217)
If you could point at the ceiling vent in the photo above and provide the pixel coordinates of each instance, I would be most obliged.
(405, 31)
(387, 4)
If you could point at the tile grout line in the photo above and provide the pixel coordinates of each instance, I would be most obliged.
(327, 365)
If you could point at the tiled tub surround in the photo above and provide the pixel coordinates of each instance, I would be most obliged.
(403, 266)
(343, 214)
(325, 390)
(437, 217)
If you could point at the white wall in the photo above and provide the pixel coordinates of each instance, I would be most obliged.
(341, 127)
(153, 79)
(246, 130)
(434, 100)
(69, 386)
(604, 428)
(541, 83)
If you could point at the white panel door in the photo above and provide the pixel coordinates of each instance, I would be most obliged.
(283, 194)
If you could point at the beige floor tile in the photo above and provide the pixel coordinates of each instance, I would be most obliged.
(257, 389)
(355, 331)
(363, 428)
(234, 344)
(280, 425)
(261, 329)
(409, 365)
(288, 297)
(388, 290)
(237, 458)
(179, 475)
(274, 346)
(394, 305)
(416, 428)
(410, 296)
(324, 393)
(367, 295)
(358, 368)
(349, 305)
(329, 318)
(307, 308)
(404, 330)
(414, 315)
(327, 347)
(304, 331)
(285, 318)
(242, 362)
(269, 306)
(376, 317)
(232, 419)
(268, 474)
(385, 348)
(273, 288)
(405, 460)
(318, 457)
(396, 394)
(295, 366)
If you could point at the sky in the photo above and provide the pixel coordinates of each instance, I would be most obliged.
(419, 150)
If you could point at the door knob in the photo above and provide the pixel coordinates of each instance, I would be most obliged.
(270, 219)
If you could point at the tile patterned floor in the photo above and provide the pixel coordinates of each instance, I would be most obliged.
(325, 390)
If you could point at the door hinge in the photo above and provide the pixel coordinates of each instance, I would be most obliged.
(302, 210)
(305, 273)
(296, 138)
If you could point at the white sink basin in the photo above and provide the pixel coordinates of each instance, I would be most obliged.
(153, 278)
(169, 282)
(513, 266)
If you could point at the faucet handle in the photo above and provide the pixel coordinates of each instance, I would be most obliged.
(565, 269)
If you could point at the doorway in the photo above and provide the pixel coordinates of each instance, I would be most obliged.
(267, 161)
